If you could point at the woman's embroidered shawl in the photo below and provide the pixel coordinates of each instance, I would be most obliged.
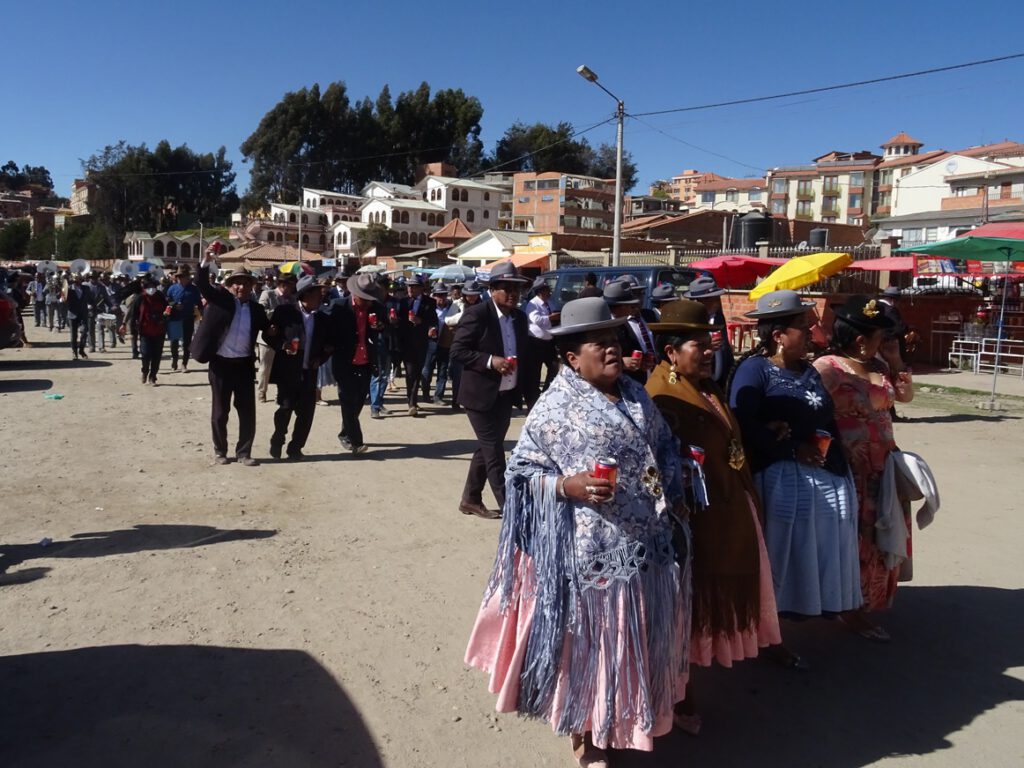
(607, 582)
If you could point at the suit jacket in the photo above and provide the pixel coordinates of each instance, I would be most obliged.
(343, 334)
(630, 344)
(78, 305)
(724, 358)
(220, 310)
(285, 324)
(413, 340)
(477, 338)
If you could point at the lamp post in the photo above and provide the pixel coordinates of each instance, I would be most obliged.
(620, 113)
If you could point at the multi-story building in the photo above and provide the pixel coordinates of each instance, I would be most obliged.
(474, 203)
(833, 189)
(83, 192)
(737, 195)
(172, 249)
(504, 182)
(683, 187)
(637, 206)
(563, 203)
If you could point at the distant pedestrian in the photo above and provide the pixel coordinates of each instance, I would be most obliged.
(151, 321)
(78, 300)
(542, 343)
(185, 298)
(270, 299)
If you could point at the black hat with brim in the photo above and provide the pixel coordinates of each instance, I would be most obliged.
(864, 313)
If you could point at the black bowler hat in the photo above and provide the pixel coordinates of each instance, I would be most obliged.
(863, 313)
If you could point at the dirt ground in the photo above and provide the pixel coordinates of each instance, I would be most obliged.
(316, 614)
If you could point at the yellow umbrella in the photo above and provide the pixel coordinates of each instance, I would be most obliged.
(801, 271)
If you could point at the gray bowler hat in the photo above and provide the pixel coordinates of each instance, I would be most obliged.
(471, 288)
(664, 292)
(582, 315)
(619, 292)
(364, 286)
(779, 304)
(506, 272)
(704, 287)
(306, 284)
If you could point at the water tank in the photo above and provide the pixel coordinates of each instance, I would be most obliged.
(753, 227)
(818, 238)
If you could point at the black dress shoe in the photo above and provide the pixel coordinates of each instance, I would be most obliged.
(474, 508)
(275, 451)
(296, 455)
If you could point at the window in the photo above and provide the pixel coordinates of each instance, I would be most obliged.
(856, 200)
(805, 187)
(291, 218)
(732, 196)
(487, 214)
(487, 196)
(754, 195)
(465, 195)
(404, 238)
(280, 237)
(344, 238)
(547, 184)
(778, 206)
(455, 213)
(803, 208)
(524, 199)
(547, 198)
(172, 250)
(423, 238)
(911, 236)
(884, 199)
(158, 248)
(440, 219)
(305, 219)
(423, 217)
(885, 177)
(1017, 189)
(323, 202)
(470, 215)
(707, 197)
(857, 179)
(931, 234)
(831, 185)
(305, 239)
(779, 186)
(529, 185)
(405, 217)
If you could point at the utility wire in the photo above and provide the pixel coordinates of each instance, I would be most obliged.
(841, 86)
(694, 146)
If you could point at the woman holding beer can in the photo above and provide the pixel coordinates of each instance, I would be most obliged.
(733, 605)
(788, 422)
(586, 617)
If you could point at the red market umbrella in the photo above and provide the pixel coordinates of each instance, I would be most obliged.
(732, 270)
(890, 263)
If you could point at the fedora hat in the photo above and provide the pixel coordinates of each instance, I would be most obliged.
(704, 287)
(238, 274)
(663, 292)
(682, 315)
(306, 284)
(582, 315)
(540, 284)
(416, 279)
(439, 289)
(863, 313)
(779, 304)
(506, 272)
(619, 292)
(633, 280)
(471, 288)
(364, 286)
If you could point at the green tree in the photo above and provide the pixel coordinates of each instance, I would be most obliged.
(14, 239)
(376, 234)
(602, 164)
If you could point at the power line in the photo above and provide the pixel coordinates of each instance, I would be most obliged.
(694, 146)
(824, 89)
(571, 136)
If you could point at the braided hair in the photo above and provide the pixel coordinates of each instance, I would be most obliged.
(765, 346)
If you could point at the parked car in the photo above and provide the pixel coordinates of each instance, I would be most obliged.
(10, 330)
(567, 282)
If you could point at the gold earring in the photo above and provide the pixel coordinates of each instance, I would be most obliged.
(672, 378)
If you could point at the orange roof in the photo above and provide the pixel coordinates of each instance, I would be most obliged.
(925, 158)
(901, 139)
(721, 185)
(521, 261)
(453, 230)
(999, 148)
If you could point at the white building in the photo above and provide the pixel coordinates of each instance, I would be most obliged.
(413, 220)
(475, 204)
(172, 249)
(345, 237)
(488, 246)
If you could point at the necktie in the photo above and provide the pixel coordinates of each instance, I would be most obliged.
(645, 334)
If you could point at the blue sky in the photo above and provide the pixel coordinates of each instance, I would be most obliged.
(86, 74)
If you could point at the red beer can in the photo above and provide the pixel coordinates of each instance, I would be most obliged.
(637, 354)
(293, 345)
(512, 361)
(392, 314)
(372, 318)
(412, 315)
(607, 468)
(697, 454)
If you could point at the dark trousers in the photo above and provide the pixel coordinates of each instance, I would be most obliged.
(353, 387)
(232, 379)
(79, 333)
(455, 374)
(542, 352)
(39, 308)
(151, 349)
(188, 327)
(488, 462)
(414, 375)
(300, 399)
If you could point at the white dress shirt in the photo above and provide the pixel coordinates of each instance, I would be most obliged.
(538, 312)
(508, 340)
(236, 342)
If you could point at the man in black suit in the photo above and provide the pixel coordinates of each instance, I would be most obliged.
(79, 303)
(298, 334)
(226, 339)
(491, 343)
(705, 290)
(357, 320)
(634, 335)
(417, 314)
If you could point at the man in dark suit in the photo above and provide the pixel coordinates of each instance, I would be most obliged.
(705, 290)
(417, 314)
(226, 339)
(298, 334)
(357, 322)
(79, 303)
(634, 335)
(491, 343)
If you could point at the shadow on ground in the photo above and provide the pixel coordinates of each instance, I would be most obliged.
(15, 364)
(138, 539)
(177, 706)
(25, 385)
(956, 418)
(860, 702)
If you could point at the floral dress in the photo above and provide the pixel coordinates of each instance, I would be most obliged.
(585, 620)
(865, 430)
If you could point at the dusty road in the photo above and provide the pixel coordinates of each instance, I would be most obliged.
(316, 614)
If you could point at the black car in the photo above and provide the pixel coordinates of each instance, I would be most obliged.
(567, 282)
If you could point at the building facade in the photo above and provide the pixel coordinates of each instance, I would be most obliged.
(563, 203)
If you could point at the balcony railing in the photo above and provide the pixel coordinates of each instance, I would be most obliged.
(807, 194)
(808, 216)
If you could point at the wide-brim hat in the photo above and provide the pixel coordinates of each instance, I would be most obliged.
(239, 274)
(439, 289)
(306, 284)
(619, 292)
(663, 292)
(682, 315)
(633, 280)
(864, 313)
(471, 288)
(183, 271)
(540, 284)
(364, 286)
(704, 287)
(892, 292)
(506, 272)
(416, 279)
(582, 315)
(779, 304)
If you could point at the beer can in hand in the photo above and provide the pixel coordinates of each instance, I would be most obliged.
(607, 469)
(372, 318)
(512, 361)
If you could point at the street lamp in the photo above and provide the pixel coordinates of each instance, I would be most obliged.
(620, 113)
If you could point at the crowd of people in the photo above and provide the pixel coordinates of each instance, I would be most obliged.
(662, 509)
(666, 503)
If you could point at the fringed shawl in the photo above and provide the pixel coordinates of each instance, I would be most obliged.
(611, 612)
(726, 560)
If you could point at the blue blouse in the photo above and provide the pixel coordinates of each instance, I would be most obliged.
(762, 393)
